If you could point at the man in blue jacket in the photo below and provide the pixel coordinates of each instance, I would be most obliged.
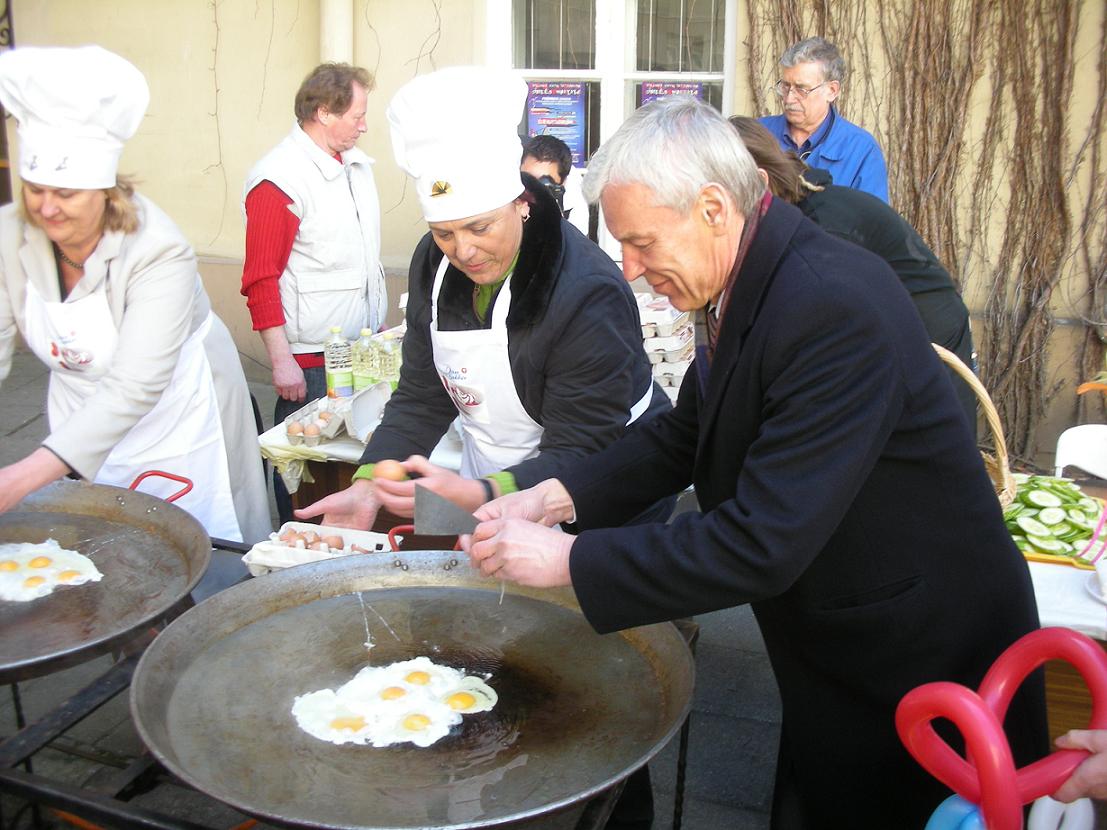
(811, 78)
(840, 491)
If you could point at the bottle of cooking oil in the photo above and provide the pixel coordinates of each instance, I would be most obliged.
(362, 356)
(388, 358)
(338, 365)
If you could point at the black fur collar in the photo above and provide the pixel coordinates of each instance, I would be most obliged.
(535, 272)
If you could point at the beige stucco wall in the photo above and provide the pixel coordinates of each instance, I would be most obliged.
(222, 80)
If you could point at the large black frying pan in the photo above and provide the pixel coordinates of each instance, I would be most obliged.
(151, 553)
(577, 711)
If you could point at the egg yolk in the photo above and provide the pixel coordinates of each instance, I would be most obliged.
(40, 562)
(416, 723)
(9, 565)
(460, 700)
(33, 581)
(419, 678)
(353, 724)
(392, 693)
(68, 576)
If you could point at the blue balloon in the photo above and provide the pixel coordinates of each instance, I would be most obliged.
(956, 814)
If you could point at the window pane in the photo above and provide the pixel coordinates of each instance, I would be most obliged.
(710, 92)
(680, 35)
(554, 34)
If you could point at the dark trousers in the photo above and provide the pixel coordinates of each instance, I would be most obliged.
(316, 379)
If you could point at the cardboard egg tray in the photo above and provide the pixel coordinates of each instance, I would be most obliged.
(671, 348)
(659, 318)
(272, 554)
(338, 407)
(671, 374)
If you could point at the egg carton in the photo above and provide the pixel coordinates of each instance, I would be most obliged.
(336, 409)
(681, 355)
(671, 374)
(672, 392)
(673, 342)
(273, 554)
(659, 317)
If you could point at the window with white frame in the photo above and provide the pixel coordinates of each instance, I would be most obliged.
(621, 52)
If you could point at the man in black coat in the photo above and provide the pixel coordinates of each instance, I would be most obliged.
(841, 493)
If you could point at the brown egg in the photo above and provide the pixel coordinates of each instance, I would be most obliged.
(311, 429)
(336, 542)
(322, 546)
(310, 537)
(325, 416)
(391, 470)
(295, 428)
(289, 536)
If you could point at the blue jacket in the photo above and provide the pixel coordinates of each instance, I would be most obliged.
(848, 152)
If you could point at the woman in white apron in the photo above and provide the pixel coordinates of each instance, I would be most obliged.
(518, 327)
(105, 291)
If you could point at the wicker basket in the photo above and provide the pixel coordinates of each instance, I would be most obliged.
(999, 471)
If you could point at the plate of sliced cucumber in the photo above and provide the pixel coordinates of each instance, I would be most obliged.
(1052, 519)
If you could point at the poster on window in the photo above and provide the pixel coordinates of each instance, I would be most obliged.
(557, 108)
(652, 90)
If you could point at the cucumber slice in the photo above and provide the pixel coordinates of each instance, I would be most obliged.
(1077, 516)
(1089, 505)
(1042, 498)
(1032, 526)
(1052, 515)
(1045, 545)
(1020, 478)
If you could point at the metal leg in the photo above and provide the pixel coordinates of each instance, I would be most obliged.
(690, 630)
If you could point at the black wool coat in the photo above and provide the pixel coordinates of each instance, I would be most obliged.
(574, 342)
(841, 496)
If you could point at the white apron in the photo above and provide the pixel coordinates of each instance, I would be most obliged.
(496, 430)
(182, 434)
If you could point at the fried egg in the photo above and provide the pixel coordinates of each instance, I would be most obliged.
(30, 571)
(414, 701)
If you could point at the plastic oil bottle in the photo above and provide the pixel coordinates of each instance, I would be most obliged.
(338, 365)
(362, 355)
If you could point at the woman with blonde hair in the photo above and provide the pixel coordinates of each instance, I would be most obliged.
(105, 291)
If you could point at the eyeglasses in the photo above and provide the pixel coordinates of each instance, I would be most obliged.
(782, 88)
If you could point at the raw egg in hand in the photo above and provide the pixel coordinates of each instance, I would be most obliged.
(390, 470)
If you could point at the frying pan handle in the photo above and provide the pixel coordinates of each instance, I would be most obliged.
(398, 530)
(403, 530)
(185, 481)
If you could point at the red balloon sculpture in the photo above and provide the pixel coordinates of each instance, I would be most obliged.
(990, 780)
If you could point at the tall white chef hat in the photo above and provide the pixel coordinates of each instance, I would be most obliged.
(75, 108)
(455, 132)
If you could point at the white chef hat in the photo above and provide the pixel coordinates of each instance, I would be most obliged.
(455, 132)
(75, 108)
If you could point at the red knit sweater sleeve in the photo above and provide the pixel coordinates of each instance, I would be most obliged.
(270, 230)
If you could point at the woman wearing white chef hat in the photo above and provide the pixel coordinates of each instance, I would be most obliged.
(104, 289)
(517, 324)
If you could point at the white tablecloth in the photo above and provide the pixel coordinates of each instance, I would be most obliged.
(1063, 599)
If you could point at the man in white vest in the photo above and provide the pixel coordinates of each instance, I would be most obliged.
(313, 238)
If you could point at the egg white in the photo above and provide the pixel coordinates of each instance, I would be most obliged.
(376, 706)
(16, 569)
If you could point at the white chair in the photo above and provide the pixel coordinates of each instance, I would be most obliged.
(1085, 447)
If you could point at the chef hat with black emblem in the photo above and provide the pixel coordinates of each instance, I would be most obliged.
(455, 132)
(75, 108)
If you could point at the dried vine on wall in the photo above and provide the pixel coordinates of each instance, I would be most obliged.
(995, 206)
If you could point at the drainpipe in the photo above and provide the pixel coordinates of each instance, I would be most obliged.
(336, 31)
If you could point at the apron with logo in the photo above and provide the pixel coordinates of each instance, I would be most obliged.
(182, 434)
(496, 430)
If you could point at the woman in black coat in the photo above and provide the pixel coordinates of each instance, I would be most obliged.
(865, 220)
